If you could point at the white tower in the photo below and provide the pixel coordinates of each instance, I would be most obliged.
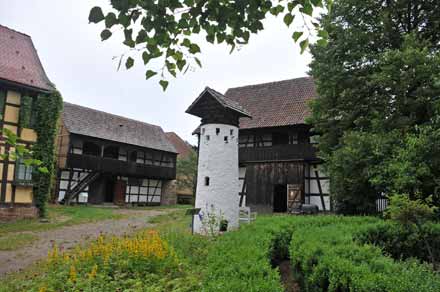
(217, 193)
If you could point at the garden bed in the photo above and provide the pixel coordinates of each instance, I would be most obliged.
(275, 253)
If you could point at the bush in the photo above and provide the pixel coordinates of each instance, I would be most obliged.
(240, 261)
(329, 260)
(404, 242)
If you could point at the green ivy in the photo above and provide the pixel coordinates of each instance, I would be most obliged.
(25, 112)
(48, 109)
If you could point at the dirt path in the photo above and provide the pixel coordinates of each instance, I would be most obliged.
(70, 236)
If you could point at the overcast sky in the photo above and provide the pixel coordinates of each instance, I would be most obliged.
(82, 68)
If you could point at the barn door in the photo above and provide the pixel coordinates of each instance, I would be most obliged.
(119, 192)
(294, 197)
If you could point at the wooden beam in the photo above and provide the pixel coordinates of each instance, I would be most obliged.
(320, 190)
(242, 190)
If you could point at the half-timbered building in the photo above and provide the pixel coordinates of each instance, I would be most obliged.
(22, 81)
(105, 158)
(279, 169)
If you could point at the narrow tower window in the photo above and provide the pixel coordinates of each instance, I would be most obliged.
(217, 131)
(207, 137)
(231, 131)
(206, 180)
(226, 139)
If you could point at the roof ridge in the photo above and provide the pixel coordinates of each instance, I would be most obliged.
(115, 115)
(16, 31)
(267, 83)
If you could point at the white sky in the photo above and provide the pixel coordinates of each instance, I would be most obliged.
(82, 68)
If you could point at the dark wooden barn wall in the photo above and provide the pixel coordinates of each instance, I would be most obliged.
(261, 178)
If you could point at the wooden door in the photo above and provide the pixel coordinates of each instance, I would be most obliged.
(294, 197)
(119, 192)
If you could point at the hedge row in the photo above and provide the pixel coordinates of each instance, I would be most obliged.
(322, 250)
(329, 259)
(240, 261)
(403, 242)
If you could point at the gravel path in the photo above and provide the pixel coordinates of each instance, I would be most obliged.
(70, 236)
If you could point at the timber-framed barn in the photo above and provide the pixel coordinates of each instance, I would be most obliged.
(278, 166)
(105, 158)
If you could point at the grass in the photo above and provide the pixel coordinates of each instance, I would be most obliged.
(16, 241)
(60, 216)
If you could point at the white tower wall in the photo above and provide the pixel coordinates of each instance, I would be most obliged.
(218, 163)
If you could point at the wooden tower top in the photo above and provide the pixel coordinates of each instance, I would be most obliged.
(214, 108)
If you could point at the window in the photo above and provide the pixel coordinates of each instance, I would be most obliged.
(140, 157)
(207, 137)
(217, 131)
(23, 172)
(206, 180)
(293, 138)
(133, 156)
(226, 139)
(231, 132)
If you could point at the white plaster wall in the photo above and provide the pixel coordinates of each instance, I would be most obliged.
(218, 160)
(316, 200)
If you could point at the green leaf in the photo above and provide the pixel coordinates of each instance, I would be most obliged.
(164, 84)
(129, 63)
(96, 15)
(323, 34)
(304, 44)
(110, 20)
(297, 35)
(105, 34)
(180, 64)
(146, 57)
(149, 74)
(194, 49)
(288, 19)
(307, 8)
(43, 169)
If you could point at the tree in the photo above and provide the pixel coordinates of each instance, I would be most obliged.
(167, 29)
(186, 169)
(378, 80)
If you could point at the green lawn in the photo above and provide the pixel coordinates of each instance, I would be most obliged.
(16, 241)
(60, 216)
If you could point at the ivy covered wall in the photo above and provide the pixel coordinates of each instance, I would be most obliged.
(48, 110)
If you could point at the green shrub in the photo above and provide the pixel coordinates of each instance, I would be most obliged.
(328, 259)
(403, 242)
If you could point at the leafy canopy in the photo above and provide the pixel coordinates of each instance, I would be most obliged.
(378, 80)
(167, 29)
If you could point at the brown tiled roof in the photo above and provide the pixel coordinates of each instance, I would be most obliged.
(182, 147)
(19, 61)
(223, 100)
(274, 104)
(93, 123)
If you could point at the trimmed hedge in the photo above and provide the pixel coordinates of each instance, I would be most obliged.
(403, 242)
(240, 261)
(328, 259)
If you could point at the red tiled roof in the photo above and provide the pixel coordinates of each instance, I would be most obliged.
(274, 104)
(19, 62)
(182, 147)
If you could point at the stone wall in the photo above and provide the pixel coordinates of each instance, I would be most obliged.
(169, 193)
(13, 213)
